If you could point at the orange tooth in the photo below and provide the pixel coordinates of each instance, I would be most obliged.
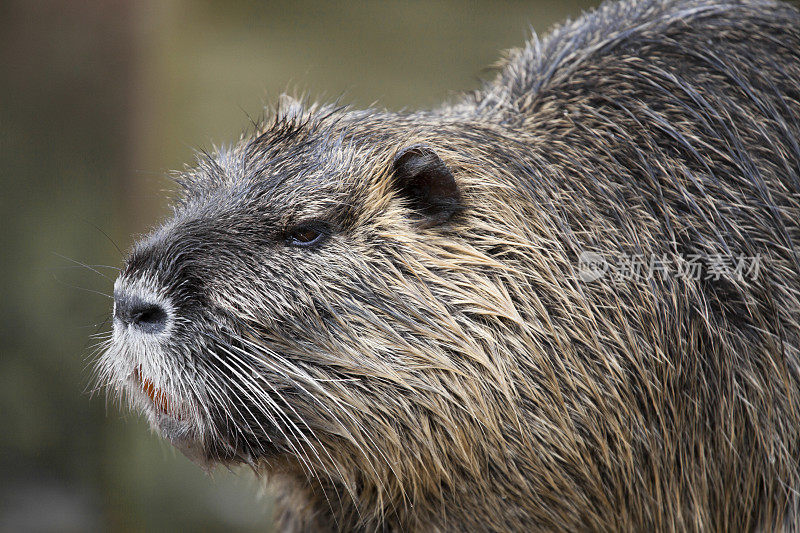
(156, 395)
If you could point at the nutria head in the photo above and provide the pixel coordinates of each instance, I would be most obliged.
(296, 311)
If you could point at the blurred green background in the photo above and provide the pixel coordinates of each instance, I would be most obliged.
(98, 101)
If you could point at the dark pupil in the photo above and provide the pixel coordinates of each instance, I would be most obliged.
(306, 235)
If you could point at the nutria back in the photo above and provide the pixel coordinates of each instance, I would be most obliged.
(567, 301)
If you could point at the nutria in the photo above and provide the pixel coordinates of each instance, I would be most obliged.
(384, 314)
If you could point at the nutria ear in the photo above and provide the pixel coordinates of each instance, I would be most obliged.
(421, 177)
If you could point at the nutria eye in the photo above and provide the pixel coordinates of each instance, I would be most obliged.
(307, 235)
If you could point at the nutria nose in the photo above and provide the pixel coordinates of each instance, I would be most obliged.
(146, 316)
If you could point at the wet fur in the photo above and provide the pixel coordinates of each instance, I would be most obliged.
(462, 376)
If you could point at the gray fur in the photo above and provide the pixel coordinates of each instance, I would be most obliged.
(461, 375)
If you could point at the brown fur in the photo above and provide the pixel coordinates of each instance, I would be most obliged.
(460, 375)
